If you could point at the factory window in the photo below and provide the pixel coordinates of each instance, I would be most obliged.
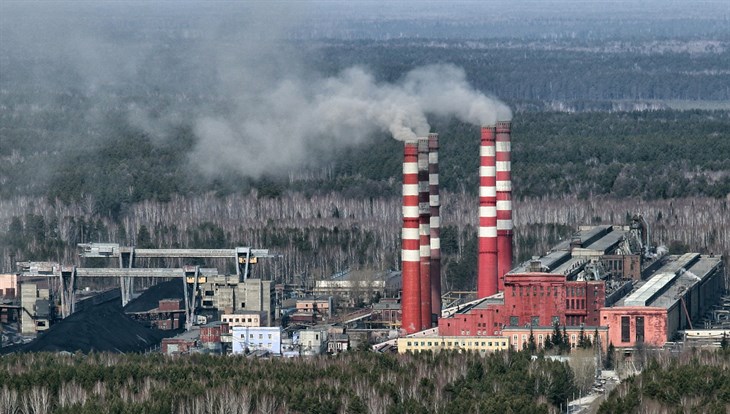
(514, 320)
(208, 293)
(555, 320)
(490, 344)
(520, 290)
(250, 336)
(514, 339)
(535, 321)
(639, 329)
(572, 340)
(430, 344)
(542, 291)
(269, 336)
(582, 303)
(567, 303)
(539, 339)
(625, 329)
(261, 336)
(408, 343)
(242, 336)
(449, 343)
(534, 291)
(555, 289)
(513, 290)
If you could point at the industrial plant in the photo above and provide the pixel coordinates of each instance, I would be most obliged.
(606, 284)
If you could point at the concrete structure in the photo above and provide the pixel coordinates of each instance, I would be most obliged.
(387, 311)
(435, 222)
(504, 200)
(250, 319)
(245, 339)
(9, 286)
(481, 344)
(181, 344)
(410, 241)
(313, 309)
(487, 284)
(37, 309)
(424, 232)
(226, 296)
(338, 343)
(313, 341)
(350, 287)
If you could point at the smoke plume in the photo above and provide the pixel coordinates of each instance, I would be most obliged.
(274, 128)
(254, 100)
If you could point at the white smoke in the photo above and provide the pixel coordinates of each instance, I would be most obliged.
(271, 130)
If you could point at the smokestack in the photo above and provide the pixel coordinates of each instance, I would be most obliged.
(487, 284)
(424, 232)
(435, 207)
(504, 201)
(410, 252)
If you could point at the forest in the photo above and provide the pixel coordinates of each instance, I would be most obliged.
(356, 382)
(568, 170)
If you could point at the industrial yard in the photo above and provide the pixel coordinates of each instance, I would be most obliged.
(364, 207)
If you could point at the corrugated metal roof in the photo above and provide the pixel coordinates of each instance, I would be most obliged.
(650, 290)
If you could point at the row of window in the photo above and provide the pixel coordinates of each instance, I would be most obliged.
(541, 340)
(527, 290)
(534, 320)
(533, 290)
(241, 320)
(575, 303)
(449, 344)
(250, 336)
(626, 329)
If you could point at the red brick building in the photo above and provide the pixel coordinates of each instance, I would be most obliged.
(630, 326)
(532, 299)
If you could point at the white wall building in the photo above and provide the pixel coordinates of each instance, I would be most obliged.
(249, 339)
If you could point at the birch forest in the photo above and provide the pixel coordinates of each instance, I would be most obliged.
(319, 235)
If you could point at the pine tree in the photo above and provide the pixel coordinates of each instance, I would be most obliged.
(566, 341)
(531, 345)
(608, 363)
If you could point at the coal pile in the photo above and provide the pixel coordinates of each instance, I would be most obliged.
(101, 328)
(151, 297)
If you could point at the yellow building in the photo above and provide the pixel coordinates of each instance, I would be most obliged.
(453, 343)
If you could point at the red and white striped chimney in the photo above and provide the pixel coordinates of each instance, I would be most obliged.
(504, 201)
(435, 206)
(424, 232)
(487, 284)
(410, 242)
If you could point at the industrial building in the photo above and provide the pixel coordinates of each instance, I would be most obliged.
(207, 295)
(453, 343)
(681, 290)
(250, 339)
(350, 287)
(605, 280)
